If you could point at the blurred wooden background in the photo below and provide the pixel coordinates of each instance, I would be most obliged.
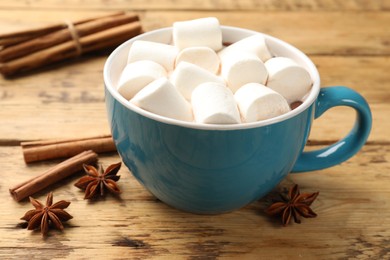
(349, 41)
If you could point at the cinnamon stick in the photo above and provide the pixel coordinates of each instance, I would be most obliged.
(100, 40)
(52, 149)
(64, 35)
(14, 38)
(53, 175)
(21, 36)
(110, 37)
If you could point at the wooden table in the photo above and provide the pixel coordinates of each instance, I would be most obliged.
(349, 41)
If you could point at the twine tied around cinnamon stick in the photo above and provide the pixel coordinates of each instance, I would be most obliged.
(24, 51)
(75, 36)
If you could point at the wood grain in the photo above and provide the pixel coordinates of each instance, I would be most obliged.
(329, 33)
(139, 226)
(205, 5)
(335, 33)
(349, 42)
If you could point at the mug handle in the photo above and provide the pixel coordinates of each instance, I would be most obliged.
(348, 146)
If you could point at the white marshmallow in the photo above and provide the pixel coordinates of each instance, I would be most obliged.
(203, 57)
(213, 103)
(186, 77)
(239, 68)
(161, 97)
(163, 54)
(137, 75)
(254, 44)
(258, 102)
(199, 32)
(287, 78)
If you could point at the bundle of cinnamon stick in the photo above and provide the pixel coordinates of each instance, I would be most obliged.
(27, 50)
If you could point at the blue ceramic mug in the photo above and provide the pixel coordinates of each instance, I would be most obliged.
(212, 169)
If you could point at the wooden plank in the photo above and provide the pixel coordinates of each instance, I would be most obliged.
(68, 101)
(368, 75)
(351, 223)
(204, 5)
(329, 33)
(59, 103)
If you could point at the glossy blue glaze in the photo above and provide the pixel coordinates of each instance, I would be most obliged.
(349, 145)
(206, 171)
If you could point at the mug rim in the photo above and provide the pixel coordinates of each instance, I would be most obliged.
(309, 100)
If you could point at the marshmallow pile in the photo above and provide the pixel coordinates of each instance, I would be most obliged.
(198, 79)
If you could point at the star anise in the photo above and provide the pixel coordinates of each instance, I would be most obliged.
(43, 216)
(294, 204)
(98, 180)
